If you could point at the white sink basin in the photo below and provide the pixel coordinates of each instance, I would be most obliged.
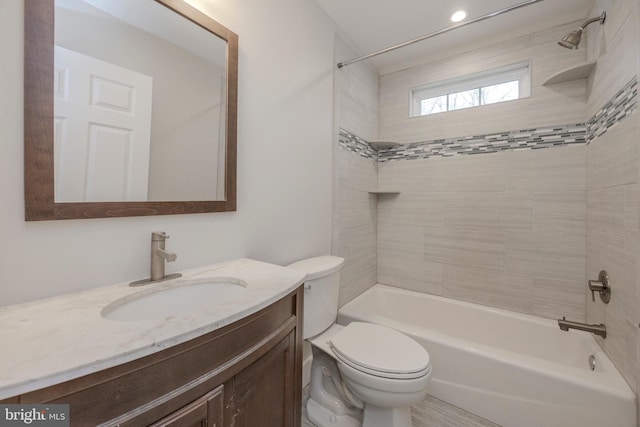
(176, 299)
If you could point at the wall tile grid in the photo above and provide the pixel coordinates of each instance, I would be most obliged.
(369, 107)
(354, 223)
(354, 209)
(613, 167)
(623, 104)
(506, 229)
(560, 103)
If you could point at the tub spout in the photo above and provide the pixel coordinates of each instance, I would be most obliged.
(565, 325)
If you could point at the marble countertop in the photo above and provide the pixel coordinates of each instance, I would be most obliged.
(50, 341)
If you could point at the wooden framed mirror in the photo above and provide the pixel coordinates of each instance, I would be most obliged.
(190, 151)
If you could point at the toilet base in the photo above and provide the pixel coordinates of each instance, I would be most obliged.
(386, 417)
(342, 396)
(320, 416)
(373, 417)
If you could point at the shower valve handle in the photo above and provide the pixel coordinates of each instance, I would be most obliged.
(601, 286)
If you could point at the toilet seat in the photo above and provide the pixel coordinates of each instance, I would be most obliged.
(380, 351)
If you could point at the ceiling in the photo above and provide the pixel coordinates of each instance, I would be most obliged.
(371, 25)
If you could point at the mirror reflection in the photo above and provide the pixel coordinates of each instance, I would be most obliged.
(139, 104)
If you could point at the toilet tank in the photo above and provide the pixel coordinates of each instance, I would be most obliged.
(321, 288)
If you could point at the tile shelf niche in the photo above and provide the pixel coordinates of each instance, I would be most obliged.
(575, 72)
(384, 191)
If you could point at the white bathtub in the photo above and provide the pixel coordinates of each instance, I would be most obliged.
(513, 369)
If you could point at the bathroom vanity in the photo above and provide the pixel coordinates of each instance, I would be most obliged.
(239, 365)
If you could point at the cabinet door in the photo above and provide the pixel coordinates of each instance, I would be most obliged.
(204, 412)
(264, 393)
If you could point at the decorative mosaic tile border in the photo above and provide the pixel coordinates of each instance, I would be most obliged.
(622, 105)
(481, 144)
(357, 145)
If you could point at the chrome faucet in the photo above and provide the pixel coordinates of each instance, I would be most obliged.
(565, 325)
(158, 258)
(159, 255)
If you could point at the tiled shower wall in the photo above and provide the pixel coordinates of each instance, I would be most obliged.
(560, 104)
(503, 229)
(612, 187)
(516, 227)
(498, 218)
(354, 209)
(357, 96)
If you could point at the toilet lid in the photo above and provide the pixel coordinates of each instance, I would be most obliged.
(380, 351)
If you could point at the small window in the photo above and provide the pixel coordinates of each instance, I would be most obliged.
(489, 87)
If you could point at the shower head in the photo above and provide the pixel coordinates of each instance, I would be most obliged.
(572, 40)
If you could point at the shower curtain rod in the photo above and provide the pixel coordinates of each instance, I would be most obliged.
(437, 33)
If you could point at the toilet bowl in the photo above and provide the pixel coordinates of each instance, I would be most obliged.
(382, 370)
(362, 375)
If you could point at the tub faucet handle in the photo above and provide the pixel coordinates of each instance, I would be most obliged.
(601, 286)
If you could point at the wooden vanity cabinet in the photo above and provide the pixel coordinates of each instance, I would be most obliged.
(246, 374)
(206, 411)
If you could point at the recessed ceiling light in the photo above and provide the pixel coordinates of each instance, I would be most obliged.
(459, 15)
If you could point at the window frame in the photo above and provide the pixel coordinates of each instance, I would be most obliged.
(520, 71)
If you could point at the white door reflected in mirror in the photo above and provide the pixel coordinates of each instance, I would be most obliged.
(102, 129)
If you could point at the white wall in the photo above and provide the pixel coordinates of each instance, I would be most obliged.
(284, 165)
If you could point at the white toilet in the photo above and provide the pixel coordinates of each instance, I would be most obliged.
(362, 374)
